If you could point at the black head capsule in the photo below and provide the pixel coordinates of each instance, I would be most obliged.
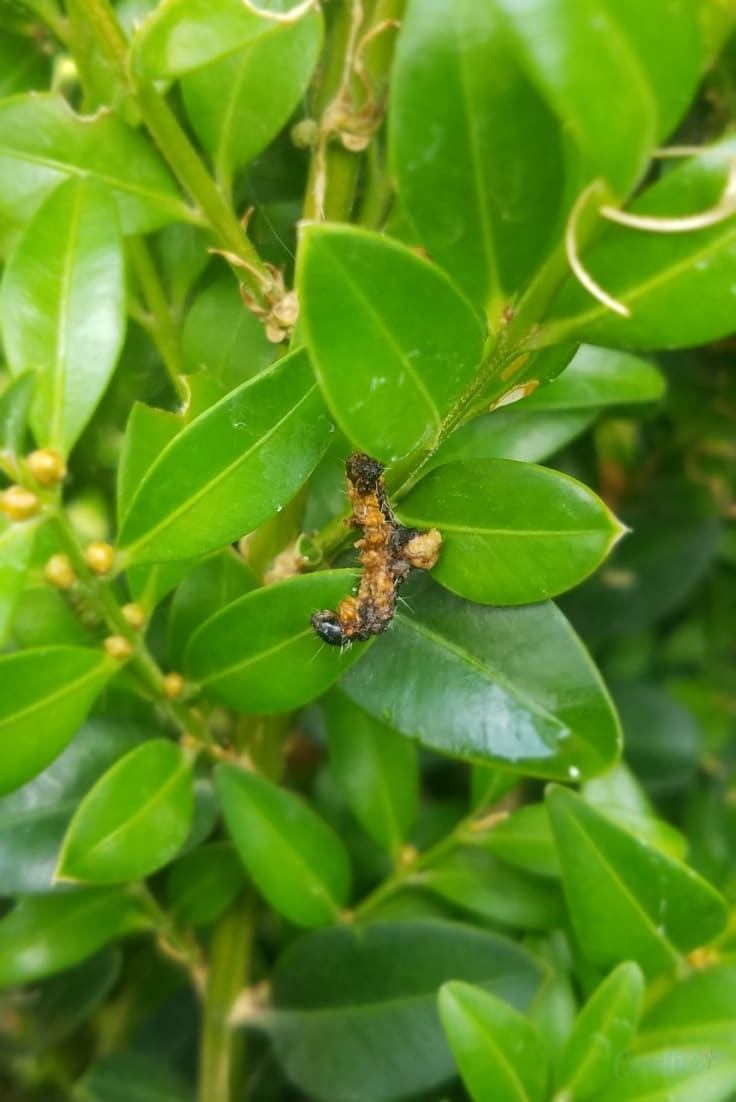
(327, 626)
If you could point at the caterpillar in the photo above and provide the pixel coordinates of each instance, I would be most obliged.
(388, 553)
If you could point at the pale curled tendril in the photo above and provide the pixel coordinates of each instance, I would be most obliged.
(291, 16)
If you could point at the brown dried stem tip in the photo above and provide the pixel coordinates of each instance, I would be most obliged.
(388, 554)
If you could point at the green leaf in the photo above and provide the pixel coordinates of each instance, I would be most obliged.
(512, 533)
(260, 654)
(663, 742)
(498, 1050)
(46, 934)
(295, 859)
(412, 342)
(211, 586)
(241, 348)
(376, 769)
(478, 883)
(659, 276)
(628, 901)
(512, 686)
(45, 695)
(233, 467)
(235, 105)
(16, 548)
(15, 404)
(203, 883)
(343, 995)
(525, 435)
(599, 377)
(186, 34)
(524, 839)
(34, 818)
(134, 819)
(476, 151)
(131, 1077)
(63, 308)
(23, 65)
(66, 1001)
(700, 1009)
(44, 142)
(677, 1074)
(601, 1034)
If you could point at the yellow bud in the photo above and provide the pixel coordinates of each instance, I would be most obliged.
(117, 646)
(99, 557)
(18, 503)
(135, 616)
(173, 685)
(59, 572)
(47, 466)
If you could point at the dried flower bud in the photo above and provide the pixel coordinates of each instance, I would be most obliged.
(117, 646)
(135, 616)
(47, 466)
(173, 685)
(17, 503)
(59, 572)
(99, 557)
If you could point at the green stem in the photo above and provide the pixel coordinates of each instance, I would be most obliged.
(221, 1052)
(162, 328)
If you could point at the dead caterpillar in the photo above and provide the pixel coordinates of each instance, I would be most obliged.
(388, 554)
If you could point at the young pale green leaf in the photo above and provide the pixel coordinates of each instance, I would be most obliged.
(240, 348)
(216, 582)
(186, 34)
(659, 276)
(677, 1074)
(134, 819)
(524, 839)
(15, 404)
(44, 142)
(46, 934)
(628, 901)
(376, 768)
(512, 533)
(601, 1034)
(410, 339)
(132, 1076)
(474, 880)
(16, 548)
(235, 105)
(45, 694)
(498, 1050)
(342, 995)
(63, 308)
(260, 654)
(476, 150)
(203, 883)
(298, 863)
(514, 686)
(231, 468)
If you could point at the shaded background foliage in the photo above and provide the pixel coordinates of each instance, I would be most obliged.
(238, 865)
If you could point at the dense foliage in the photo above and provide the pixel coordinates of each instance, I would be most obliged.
(238, 246)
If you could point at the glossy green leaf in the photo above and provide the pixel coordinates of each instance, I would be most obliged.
(628, 901)
(512, 533)
(134, 819)
(472, 879)
(411, 341)
(34, 818)
(63, 308)
(16, 548)
(233, 467)
(186, 34)
(235, 105)
(132, 1077)
(601, 1034)
(700, 1009)
(260, 654)
(525, 435)
(498, 1050)
(376, 769)
(343, 995)
(513, 686)
(295, 859)
(15, 404)
(598, 377)
(524, 839)
(44, 142)
(45, 694)
(224, 339)
(477, 152)
(46, 934)
(203, 883)
(658, 276)
(677, 1074)
(222, 578)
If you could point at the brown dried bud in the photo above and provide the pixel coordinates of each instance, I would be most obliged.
(17, 503)
(118, 647)
(135, 616)
(47, 466)
(60, 572)
(99, 557)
